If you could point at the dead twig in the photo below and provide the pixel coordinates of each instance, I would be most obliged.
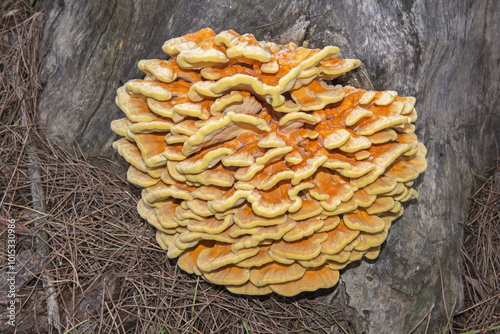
(42, 237)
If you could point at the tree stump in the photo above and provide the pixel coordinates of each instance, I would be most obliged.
(444, 54)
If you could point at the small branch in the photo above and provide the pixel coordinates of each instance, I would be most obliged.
(42, 237)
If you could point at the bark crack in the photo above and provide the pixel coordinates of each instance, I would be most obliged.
(102, 33)
(101, 97)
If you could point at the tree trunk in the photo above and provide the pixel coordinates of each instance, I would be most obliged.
(446, 54)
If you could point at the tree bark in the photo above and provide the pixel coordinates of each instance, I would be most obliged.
(446, 54)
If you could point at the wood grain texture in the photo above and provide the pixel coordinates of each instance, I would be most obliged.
(446, 54)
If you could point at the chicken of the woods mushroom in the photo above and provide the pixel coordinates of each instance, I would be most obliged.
(258, 174)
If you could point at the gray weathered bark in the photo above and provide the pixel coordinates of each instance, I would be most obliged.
(446, 54)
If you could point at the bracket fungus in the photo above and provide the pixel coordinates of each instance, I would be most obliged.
(258, 173)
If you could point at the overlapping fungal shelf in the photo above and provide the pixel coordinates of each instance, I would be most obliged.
(257, 173)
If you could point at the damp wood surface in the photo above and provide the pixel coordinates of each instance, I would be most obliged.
(444, 54)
